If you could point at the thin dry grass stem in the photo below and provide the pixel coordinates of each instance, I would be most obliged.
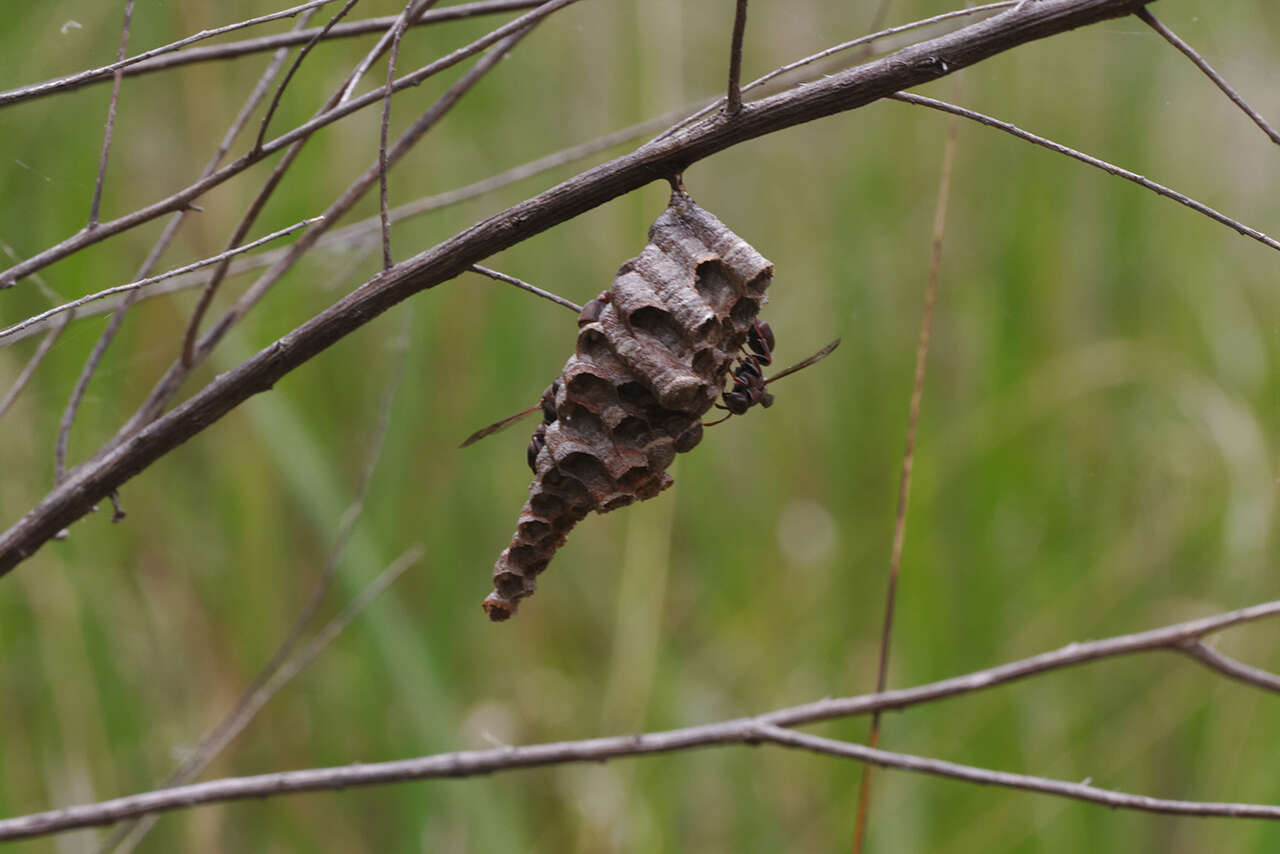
(28, 370)
(733, 99)
(93, 75)
(166, 238)
(1228, 666)
(293, 69)
(1159, 189)
(908, 462)
(821, 55)
(288, 660)
(383, 215)
(109, 131)
(768, 727)
(143, 283)
(523, 285)
(183, 198)
(168, 385)
(1187, 50)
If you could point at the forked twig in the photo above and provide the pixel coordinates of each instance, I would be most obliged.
(908, 462)
(770, 727)
(385, 218)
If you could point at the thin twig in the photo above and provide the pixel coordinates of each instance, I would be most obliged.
(287, 660)
(384, 216)
(1076, 791)
(1172, 38)
(383, 45)
(184, 197)
(733, 100)
(153, 257)
(911, 66)
(533, 289)
(111, 119)
(1225, 664)
(357, 234)
(293, 69)
(167, 386)
(748, 730)
(94, 75)
(143, 283)
(1159, 189)
(46, 344)
(908, 462)
(823, 54)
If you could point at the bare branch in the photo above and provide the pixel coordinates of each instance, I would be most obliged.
(533, 289)
(908, 461)
(1159, 189)
(183, 198)
(384, 217)
(111, 120)
(1172, 38)
(848, 90)
(142, 283)
(172, 380)
(823, 54)
(130, 66)
(1076, 791)
(153, 257)
(358, 234)
(1228, 666)
(733, 100)
(293, 69)
(748, 730)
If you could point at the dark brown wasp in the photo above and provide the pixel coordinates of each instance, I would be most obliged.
(748, 382)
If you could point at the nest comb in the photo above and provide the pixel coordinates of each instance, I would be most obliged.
(652, 356)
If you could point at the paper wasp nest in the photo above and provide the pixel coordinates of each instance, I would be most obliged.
(652, 356)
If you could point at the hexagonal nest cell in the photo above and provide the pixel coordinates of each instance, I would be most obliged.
(653, 353)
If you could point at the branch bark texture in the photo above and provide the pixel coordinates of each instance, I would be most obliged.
(912, 66)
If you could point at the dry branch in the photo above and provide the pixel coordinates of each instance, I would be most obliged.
(916, 64)
(748, 731)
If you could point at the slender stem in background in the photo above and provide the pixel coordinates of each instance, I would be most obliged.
(383, 216)
(166, 238)
(748, 730)
(288, 660)
(733, 100)
(184, 197)
(293, 69)
(823, 54)
(1111, 169)
(46, 344)
(908, 462)
(1172, 38)
(533, 289)
(111, 121)
(142, 283)
(94, 75)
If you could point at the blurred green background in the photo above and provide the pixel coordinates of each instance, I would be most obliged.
(1096, 451)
